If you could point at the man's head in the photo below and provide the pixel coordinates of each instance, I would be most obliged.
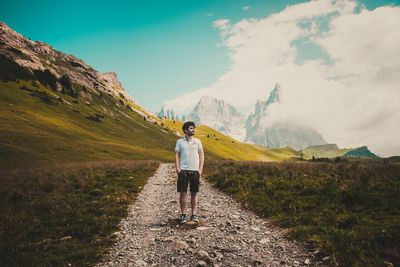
(188, 128)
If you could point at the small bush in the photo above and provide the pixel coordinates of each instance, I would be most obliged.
(23, 87)
(93, 118)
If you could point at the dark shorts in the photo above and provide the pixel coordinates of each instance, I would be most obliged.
(185, 177)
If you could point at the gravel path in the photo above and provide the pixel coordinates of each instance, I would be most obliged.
(227, 235)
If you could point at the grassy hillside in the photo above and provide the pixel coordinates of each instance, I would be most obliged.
(43, 126)
(222, 146)
(325, 151)
(350, 210)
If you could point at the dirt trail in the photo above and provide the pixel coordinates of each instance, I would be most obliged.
(227, 235)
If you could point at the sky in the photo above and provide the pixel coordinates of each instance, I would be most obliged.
(336, 61)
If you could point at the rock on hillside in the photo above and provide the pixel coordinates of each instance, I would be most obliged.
(22, 58)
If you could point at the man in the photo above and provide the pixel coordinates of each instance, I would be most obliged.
(189, 168)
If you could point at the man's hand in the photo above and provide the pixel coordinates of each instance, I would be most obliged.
(177, 167)
(200, 172)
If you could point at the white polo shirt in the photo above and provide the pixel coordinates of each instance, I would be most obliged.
(190, 159)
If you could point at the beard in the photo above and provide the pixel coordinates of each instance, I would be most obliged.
(190, 133)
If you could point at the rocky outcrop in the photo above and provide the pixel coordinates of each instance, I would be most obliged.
(279, 134)
(22, 58)
(220, 116)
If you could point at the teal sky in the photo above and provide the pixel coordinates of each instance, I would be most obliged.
(159, 49)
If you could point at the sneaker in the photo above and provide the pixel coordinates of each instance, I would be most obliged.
(182, 219)
(194, 218)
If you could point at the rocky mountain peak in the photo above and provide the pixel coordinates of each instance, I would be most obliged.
(275, 95)
(218, 114)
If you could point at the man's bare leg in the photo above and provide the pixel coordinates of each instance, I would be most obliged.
(182, 202)
(193, 201)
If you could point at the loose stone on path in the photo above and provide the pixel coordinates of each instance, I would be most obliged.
(227, 234)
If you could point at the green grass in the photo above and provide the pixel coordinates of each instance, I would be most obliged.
(350, 210)
(66, 213)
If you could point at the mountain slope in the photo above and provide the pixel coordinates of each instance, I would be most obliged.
(22, 58)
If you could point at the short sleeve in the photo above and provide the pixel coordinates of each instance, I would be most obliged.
(177, 146)
(200, 146)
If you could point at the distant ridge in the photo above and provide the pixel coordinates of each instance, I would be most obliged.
(332, 150)
(361, 152)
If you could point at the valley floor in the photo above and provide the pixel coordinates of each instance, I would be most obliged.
(227, 235)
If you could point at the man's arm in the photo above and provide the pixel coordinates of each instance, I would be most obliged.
(201, 155)
(177, 162)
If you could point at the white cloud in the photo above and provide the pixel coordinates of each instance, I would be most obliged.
(222, 24)
(246, 7)
(353, 101)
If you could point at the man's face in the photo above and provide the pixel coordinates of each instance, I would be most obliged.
(190, 131)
